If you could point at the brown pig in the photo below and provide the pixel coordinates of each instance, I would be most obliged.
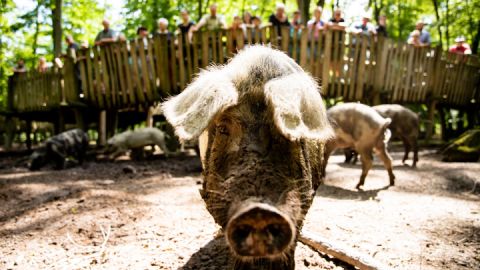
(362, 129)
(264, 127)
(404, 126)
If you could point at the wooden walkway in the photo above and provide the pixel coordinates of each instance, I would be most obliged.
(349, 67)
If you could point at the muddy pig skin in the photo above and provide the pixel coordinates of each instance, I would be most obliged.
(361, 128)
(121, 143)
(72, 143)
(263, 129)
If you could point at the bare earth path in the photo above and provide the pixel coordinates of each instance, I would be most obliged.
(103, 216)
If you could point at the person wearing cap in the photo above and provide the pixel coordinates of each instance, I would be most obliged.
(107, 35)
(364, 26)
(212, 21)
(460, 46)
(424, 34)
(280, 18)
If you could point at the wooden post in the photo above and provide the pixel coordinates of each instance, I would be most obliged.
(10, 132)
(149, 120)
(79, 120)
(102, 128)
(430, 126)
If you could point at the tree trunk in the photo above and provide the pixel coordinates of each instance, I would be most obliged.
(447, 23)
(439, 25)
(303, 7)
(37, 30)
(321, 3)
(476, 40)
(57, 27)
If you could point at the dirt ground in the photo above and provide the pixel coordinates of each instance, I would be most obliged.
(149, 215)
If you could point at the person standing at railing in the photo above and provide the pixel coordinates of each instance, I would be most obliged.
(382, 26)
(107, 35)
(20, 67)
(316, 25)
(42, 65)
(185, 27)
(247, 19)
(212, 21)
(297, 21)
(364, 26)
(414, 39)
(237, 28)
(162, 28)
(336, 22)
(279, 19)
(460, 46)
(424, 37)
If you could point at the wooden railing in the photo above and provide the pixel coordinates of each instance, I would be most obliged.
(348, 66)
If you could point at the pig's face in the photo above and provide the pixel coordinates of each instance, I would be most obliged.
(38, 159)
(258, 182)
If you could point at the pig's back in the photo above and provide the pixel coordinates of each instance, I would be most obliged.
(404, 121)
(355, 122)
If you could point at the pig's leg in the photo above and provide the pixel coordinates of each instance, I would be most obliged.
(387, 162)
(348, 155)
(415, 152)
(366, 158)
(406, 145)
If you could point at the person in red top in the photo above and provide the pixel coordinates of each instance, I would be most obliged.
(460, 46)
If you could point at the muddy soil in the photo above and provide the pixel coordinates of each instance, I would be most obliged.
(149, 215)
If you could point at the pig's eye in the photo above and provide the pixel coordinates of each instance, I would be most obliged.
(222, 129)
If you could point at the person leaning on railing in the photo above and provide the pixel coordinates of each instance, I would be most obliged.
(316, 25)
(212, 21)
(107, 35)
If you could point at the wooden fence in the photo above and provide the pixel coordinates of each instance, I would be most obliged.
(350, 67)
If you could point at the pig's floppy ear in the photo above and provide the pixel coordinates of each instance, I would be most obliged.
(298, 109)
(192, 110)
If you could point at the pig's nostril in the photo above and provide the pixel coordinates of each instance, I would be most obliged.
(259, 231)
(240, 233)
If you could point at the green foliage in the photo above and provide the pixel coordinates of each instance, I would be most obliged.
(5, 32)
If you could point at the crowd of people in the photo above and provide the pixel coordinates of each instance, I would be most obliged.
(211, 21)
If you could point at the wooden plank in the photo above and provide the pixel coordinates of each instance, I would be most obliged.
(106, 85)
(294, 46)
(326, 63)
(304, 50)
(98, 78)
(361, 70)
(128, 67)
(240, 39)
(230, 48)
(112, 71)
(155, 95)
(285, 38)
(181, 61)
(213, 43)
(173, 67)
(189, 50)
(137, 84)
(121, 66)
(221, 54)
(205, 49)
(143, 68)
(195, 43)
(335, 44)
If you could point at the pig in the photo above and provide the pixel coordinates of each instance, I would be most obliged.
(72, 143)
(405, 126)
(361, 128)
(262, 128)
(139, 138)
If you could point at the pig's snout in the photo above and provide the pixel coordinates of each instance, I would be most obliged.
(259, 230)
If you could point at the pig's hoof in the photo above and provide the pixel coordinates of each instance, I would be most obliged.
(358, 186)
